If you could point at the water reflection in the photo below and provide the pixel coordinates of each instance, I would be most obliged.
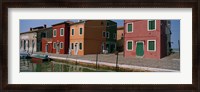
(27, 66)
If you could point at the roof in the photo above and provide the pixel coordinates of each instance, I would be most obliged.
(44, 29)
(78, 22)
(39, 27)
(112, 21)
(65, 22)
(120, 27)
(36, 30)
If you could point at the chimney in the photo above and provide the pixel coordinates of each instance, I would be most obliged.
(45, 26)
(31, 29)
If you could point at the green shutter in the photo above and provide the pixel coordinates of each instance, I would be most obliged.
(80, 46)
(54, 33)
(72, 31)
(129, 27)
(129, 45)
(62, 31)
(72, 45)
(151, 45)
(80, 30)
(151, 24)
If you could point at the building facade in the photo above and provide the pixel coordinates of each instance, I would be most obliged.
(43, 33)
(47, 45)
(147, 38)
(28, 41)
(111, 36)
(90, 37)
(60, 39)
(120, 38)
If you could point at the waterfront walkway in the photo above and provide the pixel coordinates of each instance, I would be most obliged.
(169, 63)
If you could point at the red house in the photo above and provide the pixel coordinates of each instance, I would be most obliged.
(147, 38)
(60, 39)
(47, 45)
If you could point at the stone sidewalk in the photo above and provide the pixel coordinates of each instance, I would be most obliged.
(171, 62)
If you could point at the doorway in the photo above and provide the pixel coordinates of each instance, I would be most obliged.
(140, 48)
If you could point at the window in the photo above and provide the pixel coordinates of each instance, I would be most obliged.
(72, 45)
(107, 46)
(28, 43)
(102, 46)
(151, 45)
(54, 45)
(61, 45)
(107, 34)
(129, 27)
(61, 31)
(114, 36)
(33, 43)
(72, 31)
(80, 46)
(129, 45)
(151, 24)
(43, 34)
(81, 31)
(108, 24)
(54, 33)
(104, 34)
(20, 43)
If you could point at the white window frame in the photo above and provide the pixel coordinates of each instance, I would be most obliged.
(148, 26)
(54, 45)
(80, 30)
(103, 33)
(108, 35)
(127, 27)
(61, 43)
(127, 45)
(148, 45)
(79, 46)
(53, 32)
(63, 31)
(74, 32)
(114, 35)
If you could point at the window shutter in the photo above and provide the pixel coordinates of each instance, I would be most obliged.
(80, 30)
(151, 45)
(129, 27)
(72, 31)
(129, 45)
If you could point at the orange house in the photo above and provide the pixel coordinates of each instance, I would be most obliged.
(86, 37)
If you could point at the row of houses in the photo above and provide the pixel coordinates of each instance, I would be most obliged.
(138, 38)
(79, 38)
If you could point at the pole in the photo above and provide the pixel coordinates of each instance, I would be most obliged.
(179, 46)
(117, 62)
(97, 61)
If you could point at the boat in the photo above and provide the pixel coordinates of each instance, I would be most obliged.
(36, 58)
(24, 55)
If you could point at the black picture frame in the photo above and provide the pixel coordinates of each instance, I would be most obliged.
(194, 4)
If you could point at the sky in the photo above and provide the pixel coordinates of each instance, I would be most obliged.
(25, 25)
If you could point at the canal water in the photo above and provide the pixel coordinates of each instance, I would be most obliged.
(27, 66)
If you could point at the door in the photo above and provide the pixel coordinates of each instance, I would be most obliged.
(76, 49)
(112, 48)
(140, 49)
(46, 48)
(57, 48)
